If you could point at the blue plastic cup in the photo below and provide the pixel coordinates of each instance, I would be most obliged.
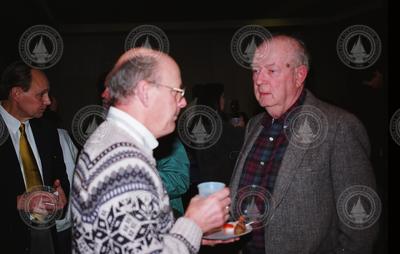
(208, 188)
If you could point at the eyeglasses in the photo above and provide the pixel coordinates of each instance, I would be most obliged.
(179, 92)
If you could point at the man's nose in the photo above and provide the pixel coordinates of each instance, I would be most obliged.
(46, 100)
(259, 78)
(105, 94)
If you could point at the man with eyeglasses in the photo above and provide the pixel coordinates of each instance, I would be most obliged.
(171, 158)
(119, 203)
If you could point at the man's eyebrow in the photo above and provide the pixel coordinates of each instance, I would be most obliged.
(263, 65)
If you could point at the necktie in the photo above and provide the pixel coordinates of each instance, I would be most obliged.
(31, 170)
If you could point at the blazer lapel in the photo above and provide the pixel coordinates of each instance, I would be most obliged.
(254, 131)
(12, 170)
(290, 163)
(43, 149)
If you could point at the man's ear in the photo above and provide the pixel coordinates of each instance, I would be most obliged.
(301, 74)
(16, 92)
(142, 92)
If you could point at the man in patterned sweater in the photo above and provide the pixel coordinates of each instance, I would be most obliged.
(119, 204)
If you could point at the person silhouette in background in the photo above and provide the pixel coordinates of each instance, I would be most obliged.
(216, 163)
(173, 166)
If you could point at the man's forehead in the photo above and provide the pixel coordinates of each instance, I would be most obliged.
(39, 79)
(271, 53)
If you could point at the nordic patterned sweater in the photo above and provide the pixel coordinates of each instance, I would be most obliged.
(119, 204)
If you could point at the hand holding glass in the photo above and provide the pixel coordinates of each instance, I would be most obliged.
(208, 188)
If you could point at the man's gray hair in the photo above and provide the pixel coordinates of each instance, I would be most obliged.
(122, 81)
(303, 56)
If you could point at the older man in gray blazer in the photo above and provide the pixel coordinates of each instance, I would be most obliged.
(311, 157)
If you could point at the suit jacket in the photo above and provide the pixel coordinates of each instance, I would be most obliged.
(304, 216)
(53, 167)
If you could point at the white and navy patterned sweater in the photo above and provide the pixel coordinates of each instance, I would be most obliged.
(119, 204)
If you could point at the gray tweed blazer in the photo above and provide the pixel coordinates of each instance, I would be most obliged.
(304, 216)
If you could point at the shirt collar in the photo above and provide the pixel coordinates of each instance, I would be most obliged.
(12, 123)
(268, 120)
(136, 129)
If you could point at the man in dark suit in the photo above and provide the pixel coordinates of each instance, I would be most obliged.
(24, 98)
(310, 156)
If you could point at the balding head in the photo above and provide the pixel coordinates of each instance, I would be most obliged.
(296, 48)
(134, 65)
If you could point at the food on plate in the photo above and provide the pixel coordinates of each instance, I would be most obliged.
(237, 227)
(228, 228)
(240, 226)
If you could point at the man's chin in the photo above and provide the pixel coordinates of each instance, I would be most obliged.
(38, 115)
(167, 131)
